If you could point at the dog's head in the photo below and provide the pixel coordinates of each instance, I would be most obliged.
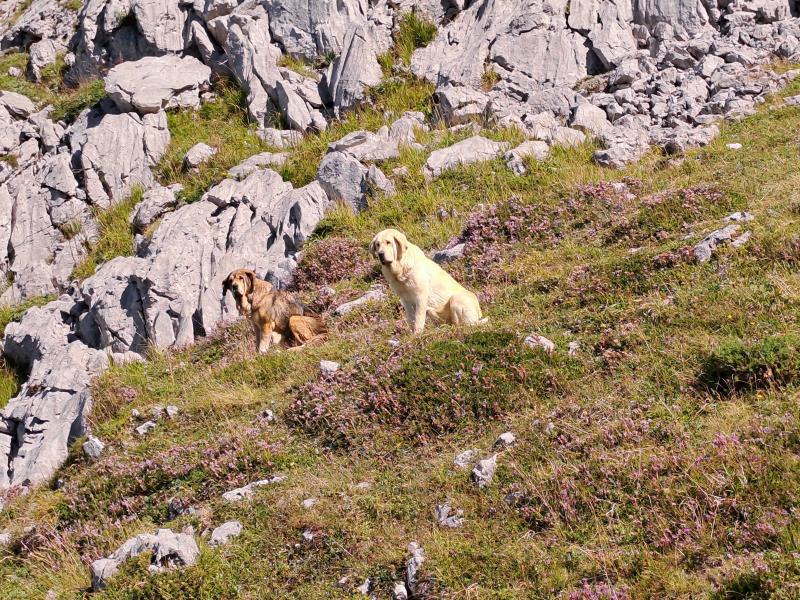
(240, 283)
(389, 246)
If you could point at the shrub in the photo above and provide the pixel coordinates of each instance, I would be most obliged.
(331, 260)
(736, 365)
(439, 387)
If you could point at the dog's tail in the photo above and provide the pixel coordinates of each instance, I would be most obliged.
(307, 327)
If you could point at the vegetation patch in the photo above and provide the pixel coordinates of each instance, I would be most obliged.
(67, 101)
(738, 365)
(438, 387)
(116, 235)
(330, 260)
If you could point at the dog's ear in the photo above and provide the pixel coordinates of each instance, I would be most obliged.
(251, 278)
(401, 244)
(373, 247)
(226, 285)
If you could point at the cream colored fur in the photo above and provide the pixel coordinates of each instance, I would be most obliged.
(425, 289)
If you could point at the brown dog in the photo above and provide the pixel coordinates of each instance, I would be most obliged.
(275, 315)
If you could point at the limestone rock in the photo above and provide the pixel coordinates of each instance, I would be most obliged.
(93, 447)
(483, 473)
(225, 533)
(169, 550)
(117, 154)
(154, 83)
(375, 293)
(515, 159)
(447, 517)
(197, 155)
(367, 146)
(539, 341)
(256, 162)
(704, 250)
(471, 150)
(344, 180)
(156, 201)
(355, 69)
(247, 491)
(460, 104)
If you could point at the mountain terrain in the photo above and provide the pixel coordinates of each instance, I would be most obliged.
(615, 179)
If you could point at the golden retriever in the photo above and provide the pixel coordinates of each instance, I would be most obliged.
(275, 315)
(425, 289)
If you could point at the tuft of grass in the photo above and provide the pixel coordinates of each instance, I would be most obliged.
(69, 105)
(737, 365)
(116, 235)
(414, 32)
(298, 65)
(222, 124)
(489, 79)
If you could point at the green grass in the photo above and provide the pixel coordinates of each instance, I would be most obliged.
(67, 102)
(116, 235)
(630, 475)
(298, 65)
(222, 124)
(414, 32)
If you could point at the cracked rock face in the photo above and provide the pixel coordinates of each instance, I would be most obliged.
(118, 151)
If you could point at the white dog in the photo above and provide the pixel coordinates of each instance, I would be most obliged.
(425, 289)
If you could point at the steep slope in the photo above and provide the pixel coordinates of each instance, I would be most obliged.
(656, 450)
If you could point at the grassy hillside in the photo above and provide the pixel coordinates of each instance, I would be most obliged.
(660, 459)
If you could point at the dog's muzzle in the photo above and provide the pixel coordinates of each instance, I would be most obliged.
(382, 258)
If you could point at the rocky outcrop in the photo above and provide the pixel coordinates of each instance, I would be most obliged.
(165, 295)
(117, 152)
(37, 425)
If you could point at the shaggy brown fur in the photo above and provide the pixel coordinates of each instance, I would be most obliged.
(275, 315)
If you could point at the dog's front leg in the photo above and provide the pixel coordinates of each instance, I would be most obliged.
(265, 337)
(257, 330)
(420, 312)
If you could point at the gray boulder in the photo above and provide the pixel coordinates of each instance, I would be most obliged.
(38, 425)
(374, 294)
(156, 201)
(367, 146)
(151, 84)
(197, 155)
(469, 151)
(461, 104)
(17, 105)
(256, 162)
(246, 492)
(344, 180)
(225, 533)
(626, 141)
(169, 551)
(280, 138)
(515, 159)
(704, 250)
(588, 118)
(93, 447)
(447, 517)
(483, 473)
